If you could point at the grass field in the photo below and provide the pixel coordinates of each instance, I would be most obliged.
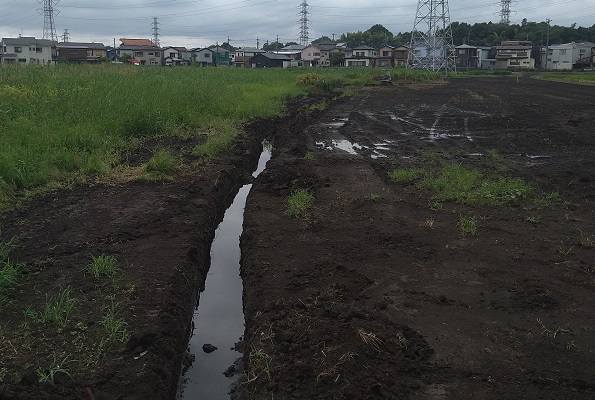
(62, 124)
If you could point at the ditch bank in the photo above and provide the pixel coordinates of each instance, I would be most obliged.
(160, 233)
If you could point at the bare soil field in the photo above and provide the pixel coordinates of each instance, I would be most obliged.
(376, 291)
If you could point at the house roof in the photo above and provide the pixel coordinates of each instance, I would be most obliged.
(465, 46)
(80, 45)
(137, 42)
(363, 47)
(27, 40)
(274, 56)
(293, 47)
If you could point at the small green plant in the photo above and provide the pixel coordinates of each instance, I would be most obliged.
(116, 327)
(216, 142)
(546, 200)
(585, 240)
(532, 219)
(56, 367)
(493, 155)
(404, 175)
(374, 197)
(56, 310)
(299, 202)
(259, 364)
(564, 250)
(162, 163)
(103, 265)
(467, 225)
(431, 157)
(309, 156)
(9, 272)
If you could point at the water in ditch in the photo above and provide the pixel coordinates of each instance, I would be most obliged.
(219, 318)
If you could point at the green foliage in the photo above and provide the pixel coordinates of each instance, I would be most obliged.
(462, 185)
(56, 310)
(9, 272)
(259, 364)
(103, 265)
(467, 225)
(404, 175)
(585, 239)
(299, 202)
(547, 200)
(56, 367)
(216, 142)
(115, 327)
(162, 163)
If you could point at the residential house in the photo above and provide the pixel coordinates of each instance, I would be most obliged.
(141, 51)
(81, 53)
(569, 56)
(318, 55)
(361, 56)
(173, 56)
(386, 57)
(466, 57)
(402, 56)
(221, 56)
(202, 57)
(27, 50)
(242, 56)
(270, 60)
(486, 57)
(515, 54)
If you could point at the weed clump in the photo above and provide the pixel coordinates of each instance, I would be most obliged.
(299, 202)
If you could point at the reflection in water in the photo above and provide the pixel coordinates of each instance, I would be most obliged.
(219, 318)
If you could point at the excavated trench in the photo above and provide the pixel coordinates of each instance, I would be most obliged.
(215, 346)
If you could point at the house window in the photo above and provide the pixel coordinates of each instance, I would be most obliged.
(562, 52)
(18, 50)
(157, 54)
(72, 52)
(138, 53)
(38, 49)
(150, 53)
(316, 54)
(461, 51)
(22, 60)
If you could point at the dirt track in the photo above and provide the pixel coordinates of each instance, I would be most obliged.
(375, 293)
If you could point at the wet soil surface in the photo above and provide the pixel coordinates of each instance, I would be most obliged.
(373, 293)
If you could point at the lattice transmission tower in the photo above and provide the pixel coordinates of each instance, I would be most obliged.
(49, 28)
(304, 29)
(431, 39)
(505, 12)
(155, 29)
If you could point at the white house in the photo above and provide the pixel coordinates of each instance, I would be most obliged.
(27, 50)
(565, 57)
(203, 57)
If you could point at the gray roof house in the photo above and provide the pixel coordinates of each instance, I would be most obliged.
(27, 50)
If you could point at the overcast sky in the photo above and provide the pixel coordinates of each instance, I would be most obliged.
(200, 23)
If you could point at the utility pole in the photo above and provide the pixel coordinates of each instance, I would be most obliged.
(49, 28)
(304, 29)
(431, 39)
(155, 30)
(65, 36)
(547, 43)
(333, 37)
(257, 43)
(277, 44)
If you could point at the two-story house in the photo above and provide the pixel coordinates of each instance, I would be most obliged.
(386, 57)
(317, 55)
(515, 54)
(27, 50)
(202, 57)
(466, 57)
(80, 53)
(141, 51)
(402, 56)
(569, 56)
(361, 56)
(173, 56)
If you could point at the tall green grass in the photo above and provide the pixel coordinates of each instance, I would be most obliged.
(66, 122)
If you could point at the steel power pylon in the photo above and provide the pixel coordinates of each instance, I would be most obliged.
(49, 28)
(155, 28)
(304, 29)
(431, 39)
(505, 12)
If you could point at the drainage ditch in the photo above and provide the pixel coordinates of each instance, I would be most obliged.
(218, 321)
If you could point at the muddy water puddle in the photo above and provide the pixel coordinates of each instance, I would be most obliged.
(218, 319)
